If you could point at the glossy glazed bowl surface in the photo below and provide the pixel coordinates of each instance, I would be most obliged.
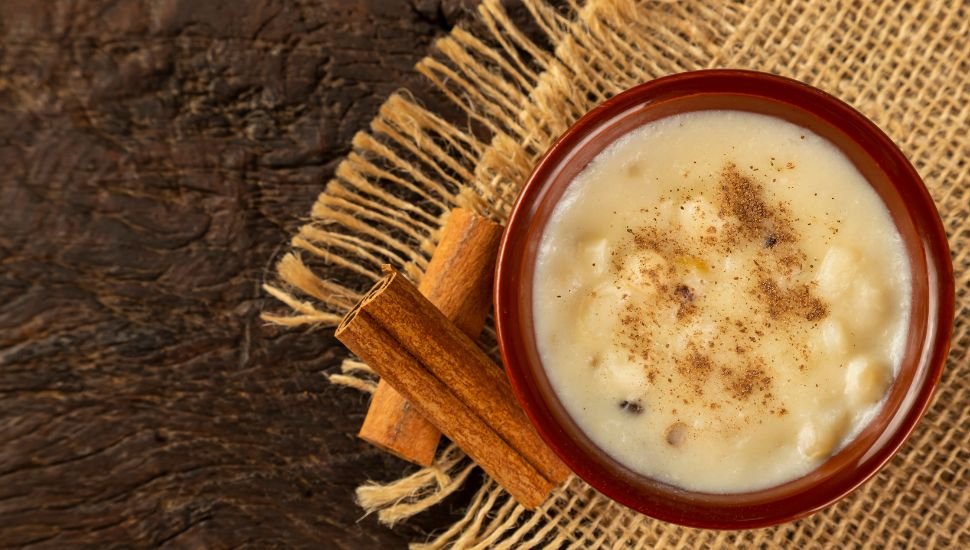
(886, 169)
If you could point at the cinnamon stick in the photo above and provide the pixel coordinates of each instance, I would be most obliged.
(453, 383)
(458, 281)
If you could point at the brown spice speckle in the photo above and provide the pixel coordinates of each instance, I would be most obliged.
(750, 381)
(799, 301)
(695, 369)
(665, 263)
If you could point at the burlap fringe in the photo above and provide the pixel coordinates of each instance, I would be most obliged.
(905, 65)
(401, 499)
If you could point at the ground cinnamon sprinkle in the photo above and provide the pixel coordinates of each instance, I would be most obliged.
(696, 368)
(749, 381)
(797, 301)
(791, 263)
(729, 357)
(686, 297)
(744, 198)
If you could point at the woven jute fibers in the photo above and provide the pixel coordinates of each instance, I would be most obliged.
(903, 64)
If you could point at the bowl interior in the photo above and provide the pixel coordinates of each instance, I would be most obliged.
(891, 176)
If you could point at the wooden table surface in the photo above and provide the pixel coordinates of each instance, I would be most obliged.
(154, 158)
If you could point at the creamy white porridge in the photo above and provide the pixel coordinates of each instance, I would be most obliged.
(721, 300)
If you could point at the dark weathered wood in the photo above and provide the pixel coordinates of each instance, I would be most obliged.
(153, 157)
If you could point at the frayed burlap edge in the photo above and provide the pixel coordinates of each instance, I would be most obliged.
(905, 66)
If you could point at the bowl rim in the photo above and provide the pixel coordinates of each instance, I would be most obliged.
(920, 207)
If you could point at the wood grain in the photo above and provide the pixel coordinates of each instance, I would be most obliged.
(154, 156)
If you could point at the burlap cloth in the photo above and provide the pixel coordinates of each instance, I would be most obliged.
(903, 64)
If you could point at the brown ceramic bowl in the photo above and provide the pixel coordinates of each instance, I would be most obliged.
(890, 174)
